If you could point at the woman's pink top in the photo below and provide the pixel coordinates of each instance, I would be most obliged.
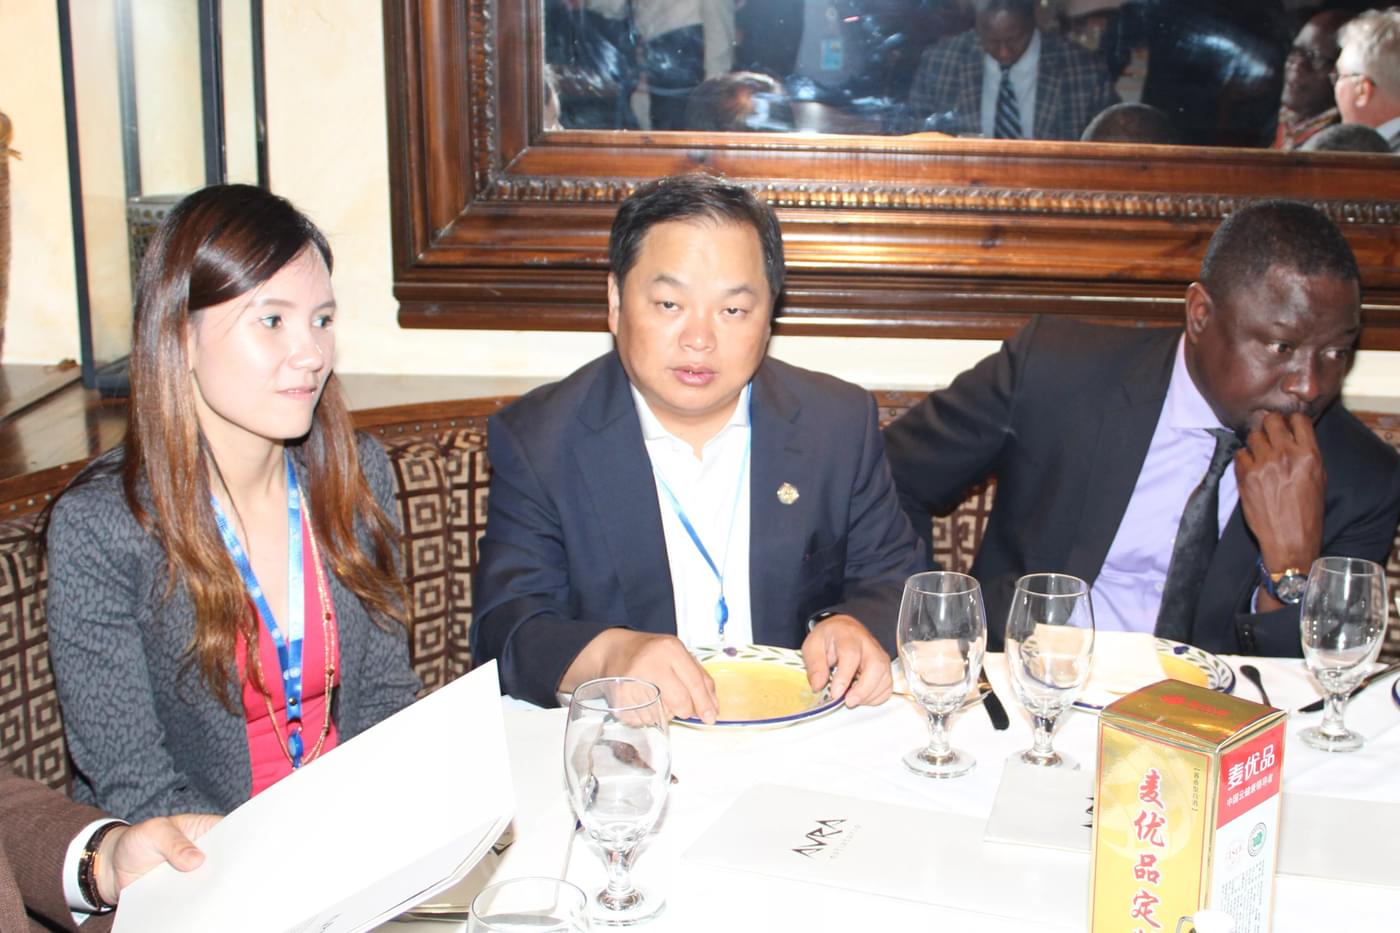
(265, 749)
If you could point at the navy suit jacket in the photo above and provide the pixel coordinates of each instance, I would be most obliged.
(574, 544)
(1071, 87)
(1063, 416)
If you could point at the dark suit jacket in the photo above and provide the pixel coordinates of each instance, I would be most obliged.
(1063, 416)
(574, 543)
(1072, 87)
(36, 825)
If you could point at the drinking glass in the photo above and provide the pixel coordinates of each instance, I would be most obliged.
(529, 905)
(1049, 645)
(1343, 621)
(617, 764)
(942, 636)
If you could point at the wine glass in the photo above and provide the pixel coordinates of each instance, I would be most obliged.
(617, 763)
(529, 905)
(1049, 645)
(942, 636)
(1342, 621)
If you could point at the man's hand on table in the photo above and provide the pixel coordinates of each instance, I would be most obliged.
(862, 669)
(1282, 487)
(686, 689)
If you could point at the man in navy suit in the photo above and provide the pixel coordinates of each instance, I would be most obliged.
(1100, 436)
(684, 490)
(1006, 79)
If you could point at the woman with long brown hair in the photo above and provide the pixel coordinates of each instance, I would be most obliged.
(224, 604)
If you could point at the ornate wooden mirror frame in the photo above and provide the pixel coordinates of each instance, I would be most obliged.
(497, 224)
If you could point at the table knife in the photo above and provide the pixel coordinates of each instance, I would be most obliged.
(1366, 681)
(995, 711)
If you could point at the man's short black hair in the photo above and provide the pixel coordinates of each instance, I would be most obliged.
(1346, 137)
(687, 198)
(1132, 123)
(1025, 9)
(1269, 234)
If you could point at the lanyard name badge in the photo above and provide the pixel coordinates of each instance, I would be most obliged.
(721, 607)
(289, 644)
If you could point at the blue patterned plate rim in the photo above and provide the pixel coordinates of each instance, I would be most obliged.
(1395, 691)
(757, 654)
(1220, 676)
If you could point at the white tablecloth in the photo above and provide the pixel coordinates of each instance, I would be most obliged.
(857, 753)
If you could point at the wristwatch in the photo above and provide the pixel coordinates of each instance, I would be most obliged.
(1287, 587)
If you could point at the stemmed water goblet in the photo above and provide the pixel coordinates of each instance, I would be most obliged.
(1049, 647)
(1342, 622)
(617, 764)
(529, 905)
(942, 637)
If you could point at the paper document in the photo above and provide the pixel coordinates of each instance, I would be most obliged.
(370, 829)
(894, 851)
(1339, 839)
(1050, 807)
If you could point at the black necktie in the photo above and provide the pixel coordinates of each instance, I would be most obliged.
(1196, 538)
(1008, 118)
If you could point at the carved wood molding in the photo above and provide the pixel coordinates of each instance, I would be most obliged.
(498, 225)
(1159, 205)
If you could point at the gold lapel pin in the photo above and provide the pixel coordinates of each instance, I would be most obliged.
(787, 494)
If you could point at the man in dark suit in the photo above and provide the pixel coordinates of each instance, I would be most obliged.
(1099, 438)
(43, 840)
(1008, 80)
(684, 490)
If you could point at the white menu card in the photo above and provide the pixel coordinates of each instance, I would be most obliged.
(893, 851)
(375, 826)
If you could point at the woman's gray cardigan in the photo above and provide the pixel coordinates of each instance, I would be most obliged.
(146, 736)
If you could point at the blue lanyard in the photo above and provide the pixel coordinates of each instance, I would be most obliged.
(288, 645)
(721, 607)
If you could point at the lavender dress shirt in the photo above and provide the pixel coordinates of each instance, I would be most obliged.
(1128, 591)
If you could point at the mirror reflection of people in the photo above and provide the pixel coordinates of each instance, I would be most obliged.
(1007, 79)
(224, 602)
(739, 102)
(687, 490)
(1307, 105)
(1132, 123)
(682, 42)
(1367, 85)
(67, 864)
(1346, 137)
(1118, 458)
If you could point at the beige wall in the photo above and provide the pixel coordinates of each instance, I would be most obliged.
(328, 154)
(42, 325)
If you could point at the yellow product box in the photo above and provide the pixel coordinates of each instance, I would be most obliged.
(1186, 813)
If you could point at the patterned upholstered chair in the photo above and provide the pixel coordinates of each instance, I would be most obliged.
(439, 455)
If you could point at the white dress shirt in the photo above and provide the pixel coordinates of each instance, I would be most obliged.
(1128, 591)
(79, 905)
(713, 490)
(1023, 75)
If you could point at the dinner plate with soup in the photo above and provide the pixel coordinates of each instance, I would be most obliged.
(760, 687)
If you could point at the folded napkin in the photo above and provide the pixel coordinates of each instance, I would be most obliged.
(1123, 662)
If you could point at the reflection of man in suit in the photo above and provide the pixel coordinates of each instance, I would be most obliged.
(1307, 106)
(1100, 440)
(57, 856)
(1368, 73)
(1007, 79)
(684, 490)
